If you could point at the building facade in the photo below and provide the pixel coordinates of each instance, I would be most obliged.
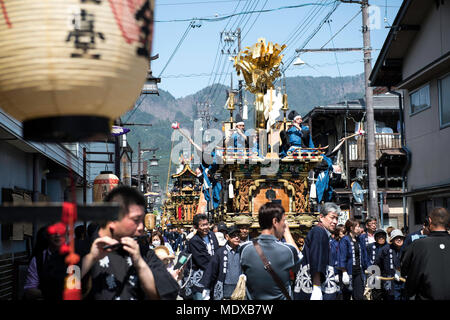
(415, 58)
(330, 123)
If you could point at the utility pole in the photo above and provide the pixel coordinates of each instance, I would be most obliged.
(229, 38)
(371, 147)
(240, 80)
(203, 112)
(370, 127)
(140, 153)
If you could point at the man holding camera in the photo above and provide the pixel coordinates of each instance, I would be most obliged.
(114, 265)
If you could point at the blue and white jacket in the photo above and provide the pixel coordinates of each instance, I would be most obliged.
(346, 254)
(214, 276)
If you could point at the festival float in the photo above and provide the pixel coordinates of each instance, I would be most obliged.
(260, 172)
(182, 200)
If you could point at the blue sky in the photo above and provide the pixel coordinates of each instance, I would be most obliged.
(197, 57)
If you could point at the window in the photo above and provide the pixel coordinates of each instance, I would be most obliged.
(72, 147)
(444, 101)
(420, 99)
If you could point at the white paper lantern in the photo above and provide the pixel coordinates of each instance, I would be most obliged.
(103, 184)
(70, 67)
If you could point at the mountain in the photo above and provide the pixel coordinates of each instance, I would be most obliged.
(304, 93)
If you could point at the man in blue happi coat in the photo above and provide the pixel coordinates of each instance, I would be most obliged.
(316, 279)
(223, 271)
(374, 249)
(298, 134)
(239, 139)
(211, 187)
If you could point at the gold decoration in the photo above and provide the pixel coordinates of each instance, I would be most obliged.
(242, 199)
(300, 197)
(259, 65)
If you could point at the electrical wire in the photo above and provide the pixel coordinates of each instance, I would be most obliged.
(332, 38)
(249, 16)
(136, 106)
(196, 2)
(264, 5)
(300, 30)
(177, 47)
(217, 85)
(214, 65)
(225, 63)
(191, 75)
(303, 25)
(302, 21)
(327, 17)
(221, 56)
(337, 62)
(213, 91)
(239, 19)
(343, 27)
(216, 19)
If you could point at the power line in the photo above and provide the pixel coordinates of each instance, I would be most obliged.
(234, 11)
(229, 39)
(214, 64)
(249, 16)
(330, 40)
(301, 29)
(196, 2)
(221, 64)
(191, 75)
(239, 20)
(264, 5)
(336, 5)
(216, 19)
(217, 53)
(294, 34)
(213, 95)
(137, 105)
(341, 28)
(191, 25)
(337, 62)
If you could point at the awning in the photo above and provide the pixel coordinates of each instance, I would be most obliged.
(431, 190)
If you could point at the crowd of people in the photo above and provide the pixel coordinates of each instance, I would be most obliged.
(121, 260)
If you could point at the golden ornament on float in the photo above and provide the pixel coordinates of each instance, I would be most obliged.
(68, 68)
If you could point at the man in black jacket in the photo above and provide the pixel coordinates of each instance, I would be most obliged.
(122, 272)
(202, 246)
(422, 233)
(426, 262)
